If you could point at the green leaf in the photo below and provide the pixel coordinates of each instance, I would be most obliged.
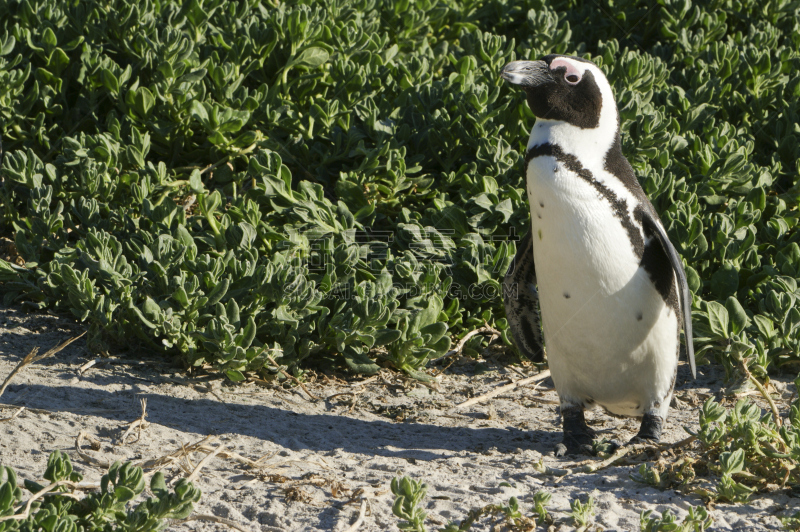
(143, 101)
(732, 462)
(387, 336)
(249, 333)
(435, 330)
(312, 57)
(738, 317)
(232, 309)
(765, 326)
(218, 292)
(158, 485)
(693, 279)
(196, 182)
(718, 319)
(110, 81)
(193, 77)
(725, 281)
(149, 324)
(151, 308)
(198, 112)
(181, 297)
(235, 375)
(10, 272)
(419, 375)
(7, 44)
(359, 362)
(124, 494)
(49, 39)
(430, 315)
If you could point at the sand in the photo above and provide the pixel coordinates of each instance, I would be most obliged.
(321, 458)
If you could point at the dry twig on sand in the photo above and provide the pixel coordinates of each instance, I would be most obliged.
(364, 382)
(87, 366)
(214, 519)
(362, 512)
(620, 453)
(678, 444)
(293, 379)
(169, 459)
(340, 394)
(460, 345)
(204, 446)
(355, 396)
(14, 415)
(586, 468)
(503, 389)
(104, 464)
(544, 401)
(775, 414)
(32, 357)
(140, 423)
(204, 461)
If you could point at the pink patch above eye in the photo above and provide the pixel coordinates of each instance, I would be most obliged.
(573, 75)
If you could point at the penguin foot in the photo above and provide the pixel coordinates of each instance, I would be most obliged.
(578, 437)
(573, 448)
(650, 430)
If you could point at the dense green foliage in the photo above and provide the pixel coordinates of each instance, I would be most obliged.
(230, 181)
(697, 521)
(62, 510)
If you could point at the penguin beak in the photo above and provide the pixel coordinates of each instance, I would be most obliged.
(528, 74)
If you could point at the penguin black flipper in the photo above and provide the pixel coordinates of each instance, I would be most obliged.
(521, 301)
(664, 252)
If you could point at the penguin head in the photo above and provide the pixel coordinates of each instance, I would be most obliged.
(562, 88)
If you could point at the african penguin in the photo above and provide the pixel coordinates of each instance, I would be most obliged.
(609, 284)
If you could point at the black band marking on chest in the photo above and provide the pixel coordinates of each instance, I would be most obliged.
(617, 165)
(619, 206)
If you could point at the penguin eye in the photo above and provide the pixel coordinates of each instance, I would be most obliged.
(572, 74)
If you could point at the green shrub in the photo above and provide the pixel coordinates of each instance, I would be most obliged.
(356, 168)
(60, 509)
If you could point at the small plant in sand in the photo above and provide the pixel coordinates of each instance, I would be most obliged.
(664, 475)
(582, 513)
(540, 500)
(410, 493)
(697, 521)
(510, 516)
(58, 507)
(791, 522)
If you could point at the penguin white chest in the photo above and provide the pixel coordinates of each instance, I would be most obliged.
(606, 328)
(580, 237)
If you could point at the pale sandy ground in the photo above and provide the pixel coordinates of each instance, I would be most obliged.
(482, 456)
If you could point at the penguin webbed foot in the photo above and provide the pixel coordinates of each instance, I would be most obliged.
(578, 437)
(650, 429)
(574, 446)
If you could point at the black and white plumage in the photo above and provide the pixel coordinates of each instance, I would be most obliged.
(597, 262)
